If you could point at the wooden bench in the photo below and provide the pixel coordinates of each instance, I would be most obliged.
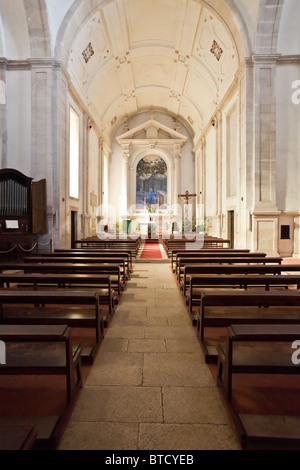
(43, 350)
(224, 269)
(82, 254)
(182, 262)
(221, 309)
(259, 349)
(95, 242)
(234, 258)
(241, 281)
(102, 283)
(213, 253)
(98, 252)
(197, 242)
(113, 270)
(78, 309)
(17, 437)
(250, 349)
(82, 260)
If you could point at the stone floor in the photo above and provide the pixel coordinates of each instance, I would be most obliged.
(149, 388)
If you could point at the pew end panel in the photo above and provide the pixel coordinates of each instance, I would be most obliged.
(42, 350)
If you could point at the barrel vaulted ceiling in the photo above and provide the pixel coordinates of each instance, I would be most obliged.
(176, 56)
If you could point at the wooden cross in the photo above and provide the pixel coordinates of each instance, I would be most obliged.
(186, 196)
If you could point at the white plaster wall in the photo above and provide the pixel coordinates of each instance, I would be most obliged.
(116, 164)
(287, 139)
(289, 35)
(187, 169)
(211, 172)
(56, 10)
(93, 163)
(15, 43)
(19, 120)
(249, 11)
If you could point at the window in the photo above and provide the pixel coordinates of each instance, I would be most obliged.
(74, 155)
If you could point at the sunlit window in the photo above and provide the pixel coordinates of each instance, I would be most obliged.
(74, 155)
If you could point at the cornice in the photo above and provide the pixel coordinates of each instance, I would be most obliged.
(30, 64)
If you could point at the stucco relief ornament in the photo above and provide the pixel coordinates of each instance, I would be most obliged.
(216, 50)
(88, 52)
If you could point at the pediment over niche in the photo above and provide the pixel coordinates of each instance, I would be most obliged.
(152, 132)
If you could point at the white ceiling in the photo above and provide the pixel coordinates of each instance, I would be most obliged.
(135, 55)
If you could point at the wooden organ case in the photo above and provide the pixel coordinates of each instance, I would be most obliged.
(17, 225)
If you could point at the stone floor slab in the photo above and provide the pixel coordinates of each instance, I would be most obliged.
(193, 405)
(175, 369)
(186, 437)
(166, 332)
(119, 404)
(116, 368)
(147, 345)
(100, 436)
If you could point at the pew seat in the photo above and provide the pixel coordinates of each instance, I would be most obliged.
(220, 309)
(101, 283)
(241, 281)
(17, 437)
(259, 349)
(77, 309)
(42, 350)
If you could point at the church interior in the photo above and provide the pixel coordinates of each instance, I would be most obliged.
(149, 225)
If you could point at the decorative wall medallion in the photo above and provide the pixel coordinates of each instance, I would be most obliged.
(88, 52)
(216, 50)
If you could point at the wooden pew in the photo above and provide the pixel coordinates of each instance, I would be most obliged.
(82, 254)
(182, 262)
(223, 269)
(241, 281)
(238, 356)
(76, 308)
(95, 242)
(113, 270)
(197, 242)
(214, 252)
(81, 259)
(98, 252)
(43, 350)
(223, 308)
(259, 349)
(101, 282)
(17, 437)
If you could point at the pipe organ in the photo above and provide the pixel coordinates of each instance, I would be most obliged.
(15, 210)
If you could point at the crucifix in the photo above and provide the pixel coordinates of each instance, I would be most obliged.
(186, 196)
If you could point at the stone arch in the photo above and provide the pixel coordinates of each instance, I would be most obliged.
(268, 26)
(288, 35)
(38, 27)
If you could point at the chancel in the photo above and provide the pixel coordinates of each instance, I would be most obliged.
(149, 225)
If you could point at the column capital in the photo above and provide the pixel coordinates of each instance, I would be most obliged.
(126, 152)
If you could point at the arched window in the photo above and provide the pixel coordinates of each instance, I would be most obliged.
(151, 182)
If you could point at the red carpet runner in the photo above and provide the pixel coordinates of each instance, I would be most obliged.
(151, 249)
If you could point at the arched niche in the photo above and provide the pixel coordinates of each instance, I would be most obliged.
(153, 189)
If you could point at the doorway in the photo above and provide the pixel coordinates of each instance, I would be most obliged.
(74, 225)
(230, 227)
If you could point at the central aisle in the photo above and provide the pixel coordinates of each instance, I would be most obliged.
(149, 388)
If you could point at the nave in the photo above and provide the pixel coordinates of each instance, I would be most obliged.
(149, 387)
(152, 382)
